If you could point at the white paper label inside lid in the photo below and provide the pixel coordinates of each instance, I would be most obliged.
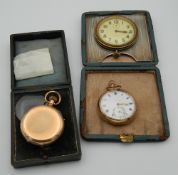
(33, 64)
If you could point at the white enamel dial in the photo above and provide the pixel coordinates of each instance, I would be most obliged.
(117, 105)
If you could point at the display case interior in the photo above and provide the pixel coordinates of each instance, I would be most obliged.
(65, 148)
(55, 42)
(144, 84)
(106, 35)
(144, 50)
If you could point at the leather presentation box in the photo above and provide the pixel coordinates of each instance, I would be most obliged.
(67, 147)
(141, 78)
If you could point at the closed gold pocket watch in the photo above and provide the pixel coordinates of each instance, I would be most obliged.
(116, 33)
(43, 125)
(117, 106)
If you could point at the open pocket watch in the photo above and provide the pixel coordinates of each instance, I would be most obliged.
(117, 106)
(43, 124)
(116, 33)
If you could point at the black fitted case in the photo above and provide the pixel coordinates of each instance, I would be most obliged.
(67, 147)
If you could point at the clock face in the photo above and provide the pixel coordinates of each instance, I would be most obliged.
(117, 105)
(116, 32)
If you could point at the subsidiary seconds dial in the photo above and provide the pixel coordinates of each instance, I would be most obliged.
(116, 32)
(117, 106)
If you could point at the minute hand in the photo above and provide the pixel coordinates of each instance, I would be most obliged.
(125, 104)
(121, 31)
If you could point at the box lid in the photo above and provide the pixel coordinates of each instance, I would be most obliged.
(144, 50)
(55, 41)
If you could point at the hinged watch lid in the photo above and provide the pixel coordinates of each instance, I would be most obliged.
(26, 44)
(118, 38)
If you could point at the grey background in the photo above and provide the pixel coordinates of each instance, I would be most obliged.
(98, 158)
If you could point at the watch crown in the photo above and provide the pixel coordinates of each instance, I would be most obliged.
(113, 86)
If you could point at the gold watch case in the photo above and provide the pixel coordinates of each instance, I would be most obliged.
(42, 125)
(117, 46)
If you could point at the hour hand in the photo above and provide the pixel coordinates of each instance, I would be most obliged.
(121, 31)
(125, 104)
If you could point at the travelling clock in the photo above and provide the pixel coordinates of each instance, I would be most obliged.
(117, 106)
(116, 33)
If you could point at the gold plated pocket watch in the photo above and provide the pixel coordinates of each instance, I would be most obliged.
(117, 106)
(116, 33)
(42, 125)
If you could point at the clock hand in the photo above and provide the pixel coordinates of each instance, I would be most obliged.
(123, 104)
(121, 31)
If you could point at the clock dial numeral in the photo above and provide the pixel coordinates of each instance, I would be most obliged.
(107, 110)
(130, 31)
(116, 21)
(102, 31)
(105, 26)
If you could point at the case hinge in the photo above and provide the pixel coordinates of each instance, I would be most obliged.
(126, 138)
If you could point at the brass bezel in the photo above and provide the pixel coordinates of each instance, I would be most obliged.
(112, 46)
(114, 121)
